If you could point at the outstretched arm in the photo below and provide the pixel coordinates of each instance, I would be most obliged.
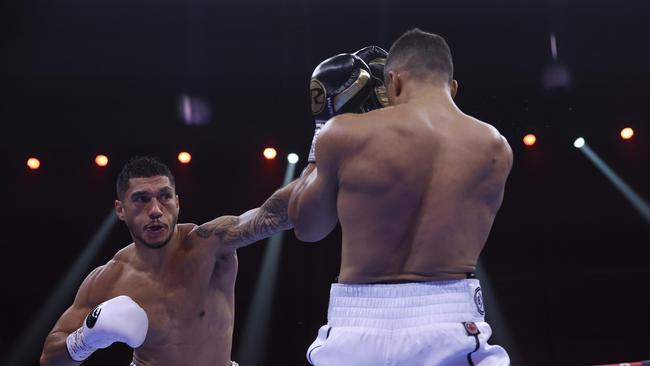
(253, 225)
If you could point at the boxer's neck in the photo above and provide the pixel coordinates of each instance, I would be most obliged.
(415, 93)
(156, 259)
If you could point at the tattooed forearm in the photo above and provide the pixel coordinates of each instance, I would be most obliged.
(219, 228)
(275, 215)
(254, 225)
(271, 218)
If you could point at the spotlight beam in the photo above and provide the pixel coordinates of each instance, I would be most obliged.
(637, 201)
(30, 341)
(553, 46)
(252, 349)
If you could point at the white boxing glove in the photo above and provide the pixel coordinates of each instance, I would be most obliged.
(119, 319)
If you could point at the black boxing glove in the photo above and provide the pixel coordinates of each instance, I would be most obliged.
(375, 57)
(340, 84)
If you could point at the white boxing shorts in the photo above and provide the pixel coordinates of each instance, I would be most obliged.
(232, 363)
(438, 323)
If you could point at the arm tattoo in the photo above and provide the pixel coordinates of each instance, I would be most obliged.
(271, 218)
(254, 225)
(218, 227)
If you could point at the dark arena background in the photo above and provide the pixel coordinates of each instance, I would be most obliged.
(565, 269)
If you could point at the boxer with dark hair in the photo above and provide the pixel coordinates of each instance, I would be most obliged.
(170, 293)
(416, 187)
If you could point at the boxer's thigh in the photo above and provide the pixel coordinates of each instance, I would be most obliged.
(446, 344)
(348, 346)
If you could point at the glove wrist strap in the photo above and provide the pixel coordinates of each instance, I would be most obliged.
(312, 150)
(77, 347)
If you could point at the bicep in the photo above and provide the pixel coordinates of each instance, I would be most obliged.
(73, 317)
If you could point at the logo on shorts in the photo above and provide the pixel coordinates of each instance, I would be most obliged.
(478, 300)
(317, 93)
(471, 328)
(91, 319)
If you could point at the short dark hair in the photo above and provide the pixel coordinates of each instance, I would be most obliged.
(141, 167)
(424, 55)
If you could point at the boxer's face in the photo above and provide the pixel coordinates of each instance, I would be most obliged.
(150, 210)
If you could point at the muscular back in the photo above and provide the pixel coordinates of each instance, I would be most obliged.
(418, 193)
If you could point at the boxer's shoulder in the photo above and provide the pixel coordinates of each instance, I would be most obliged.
(349, 128)
(185, 229)
(342, 128)
(99, 283)
(484, 129)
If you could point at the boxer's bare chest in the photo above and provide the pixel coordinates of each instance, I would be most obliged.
(191, 298)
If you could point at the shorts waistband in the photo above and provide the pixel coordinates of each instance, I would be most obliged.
(394, 306)
(232, 363)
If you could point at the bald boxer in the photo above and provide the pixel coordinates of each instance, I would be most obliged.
(170, 293)
(415, 187)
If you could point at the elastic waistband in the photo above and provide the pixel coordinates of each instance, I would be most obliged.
(405, 305)
(232, 363)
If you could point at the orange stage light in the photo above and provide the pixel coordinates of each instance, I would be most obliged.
(270, 153)
(627, 133)
(33, 163)
(184, 157)
(530, 139)
(101, 160)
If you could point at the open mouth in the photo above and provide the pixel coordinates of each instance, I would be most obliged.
(155, 227)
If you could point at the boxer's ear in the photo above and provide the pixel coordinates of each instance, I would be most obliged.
(396, 82)
(119, 210)
(453, 88)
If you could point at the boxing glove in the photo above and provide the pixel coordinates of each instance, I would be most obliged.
(375, 57)
(119, 319)
(340, 84)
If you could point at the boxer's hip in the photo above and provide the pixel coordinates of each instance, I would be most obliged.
(424, 323)
(403, 305)
(232, 363)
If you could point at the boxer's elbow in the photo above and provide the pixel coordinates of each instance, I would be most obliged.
(307, 235)
(311, 222)
(300, 226)
(303, 224)
(55, 351)
(313, 229)
(45, 359)
(296, 217)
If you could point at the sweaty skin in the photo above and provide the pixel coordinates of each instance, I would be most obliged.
(415, 187)
(186, 287)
